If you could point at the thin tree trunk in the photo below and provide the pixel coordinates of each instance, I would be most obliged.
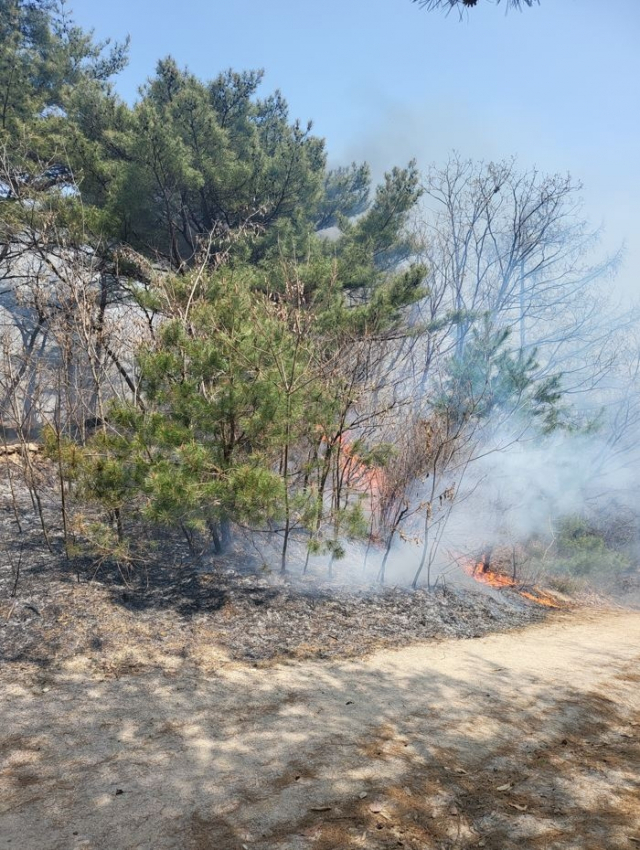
(423, 559)
(381, 574)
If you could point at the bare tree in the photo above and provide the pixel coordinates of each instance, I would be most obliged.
(430, 5)
(513, 247)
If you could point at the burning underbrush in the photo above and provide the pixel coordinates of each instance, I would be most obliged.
(174, 611)
(174, 614)
(583, 559)
(492, 569)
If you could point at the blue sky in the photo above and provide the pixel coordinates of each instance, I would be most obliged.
(557, 85)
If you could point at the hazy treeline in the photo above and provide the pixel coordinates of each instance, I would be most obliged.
(209, 329)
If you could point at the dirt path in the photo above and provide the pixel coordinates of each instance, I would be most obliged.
(527, 739)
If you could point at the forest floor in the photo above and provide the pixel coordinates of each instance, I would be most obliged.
(526, 738)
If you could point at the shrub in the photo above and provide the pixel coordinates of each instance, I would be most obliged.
(582, 550)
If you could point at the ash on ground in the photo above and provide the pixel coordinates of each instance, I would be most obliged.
(174, 612)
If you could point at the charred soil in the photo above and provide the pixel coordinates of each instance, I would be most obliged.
(180, 610)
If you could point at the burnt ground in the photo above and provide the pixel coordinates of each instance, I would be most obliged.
(65, 609)
(200, 610)
(57, 610)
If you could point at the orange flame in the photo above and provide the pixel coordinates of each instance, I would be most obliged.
(361, 476)
(481, 571)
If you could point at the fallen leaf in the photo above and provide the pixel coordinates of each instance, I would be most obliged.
(311, 832)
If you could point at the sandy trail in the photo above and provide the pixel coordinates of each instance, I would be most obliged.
(525, 739)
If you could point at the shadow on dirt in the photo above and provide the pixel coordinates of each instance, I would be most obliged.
(323, 757)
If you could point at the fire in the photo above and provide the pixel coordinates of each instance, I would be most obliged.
(361, 476)
(481, 571)
(358, 475)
